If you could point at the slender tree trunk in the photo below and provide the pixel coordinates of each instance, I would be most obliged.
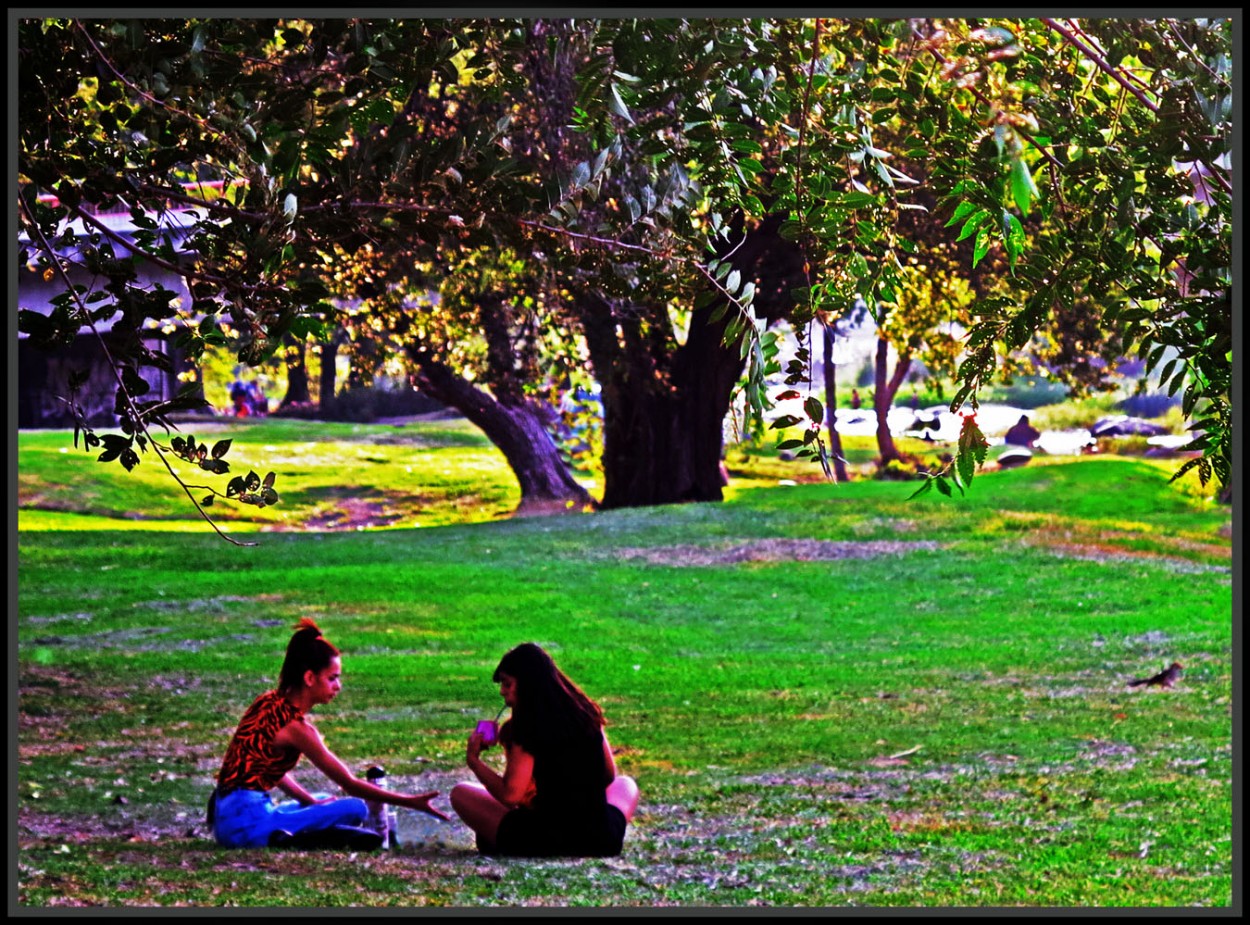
(831, 406)
(883, 398)
(296, 375)
(329, 361)
(517, 428)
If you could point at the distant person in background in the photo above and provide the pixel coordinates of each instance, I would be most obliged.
(239, 396)
(855, 400)
(1022, 433)
(257, 400)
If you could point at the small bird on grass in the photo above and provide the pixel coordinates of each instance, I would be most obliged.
(1165, 678)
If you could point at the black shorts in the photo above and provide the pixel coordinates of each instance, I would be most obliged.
(526, 833)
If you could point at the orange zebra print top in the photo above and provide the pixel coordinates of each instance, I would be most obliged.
(252, 761)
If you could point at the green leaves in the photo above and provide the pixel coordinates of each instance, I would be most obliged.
(982, 245)
(251, 489)
(1023, 189)
(972, 449)
(855, 200)
(1013, 238)
(617, 104)
(959, 472)
(209, 460)
(815, 410)
(119, 448)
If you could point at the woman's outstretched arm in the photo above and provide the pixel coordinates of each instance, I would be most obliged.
(305, 737)
(609, 760)
(291, 787)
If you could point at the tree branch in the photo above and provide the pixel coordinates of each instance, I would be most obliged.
(1119, 78)
(139, 91)
(134, 412)
(1102, 63)
(985, 101)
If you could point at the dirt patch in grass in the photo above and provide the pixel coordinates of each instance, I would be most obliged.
(51, 689)
(209, 604)
(134, 640)
(45, 695)
(928, 821)
(890, 524)
(770, 550)
(1180, 554)
(1098, 552)
(352, 514)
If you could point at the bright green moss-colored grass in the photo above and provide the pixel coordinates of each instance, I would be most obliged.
(829, 694)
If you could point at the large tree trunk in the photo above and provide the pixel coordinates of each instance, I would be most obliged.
(517, 428)
(883, 398)
(296, 375)
(665, 403)
(831, 406)
(663, 422)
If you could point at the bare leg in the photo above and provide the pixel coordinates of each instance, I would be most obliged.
(623, 794)
(480, 811)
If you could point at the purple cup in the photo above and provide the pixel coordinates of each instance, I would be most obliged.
(488, 730)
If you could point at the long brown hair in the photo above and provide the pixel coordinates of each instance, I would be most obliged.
(308, 650)
(550, 708)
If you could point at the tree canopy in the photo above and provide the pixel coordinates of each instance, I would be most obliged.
(660, 180)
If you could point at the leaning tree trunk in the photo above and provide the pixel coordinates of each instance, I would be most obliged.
(831, 406)
(883, 399)
(518, 429)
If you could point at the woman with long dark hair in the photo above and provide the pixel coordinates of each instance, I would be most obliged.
(273, 734)
(559, 794)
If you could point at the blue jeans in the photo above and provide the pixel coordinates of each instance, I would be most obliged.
(246, 818)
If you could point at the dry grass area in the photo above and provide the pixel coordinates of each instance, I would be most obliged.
(780, 549)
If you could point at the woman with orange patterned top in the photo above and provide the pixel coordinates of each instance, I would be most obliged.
(273, 734)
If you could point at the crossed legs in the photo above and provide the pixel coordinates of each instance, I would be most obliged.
(623, 794)
(482, 812)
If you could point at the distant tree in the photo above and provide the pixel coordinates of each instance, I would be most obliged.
(830, 369)
(684, 181)
(931, 307)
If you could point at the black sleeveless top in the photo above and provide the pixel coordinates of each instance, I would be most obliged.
(569, 814)
(570, 777)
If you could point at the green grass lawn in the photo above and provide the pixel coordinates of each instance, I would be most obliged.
(829, 695)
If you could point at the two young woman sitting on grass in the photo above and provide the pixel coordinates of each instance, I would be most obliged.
(559, 793)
